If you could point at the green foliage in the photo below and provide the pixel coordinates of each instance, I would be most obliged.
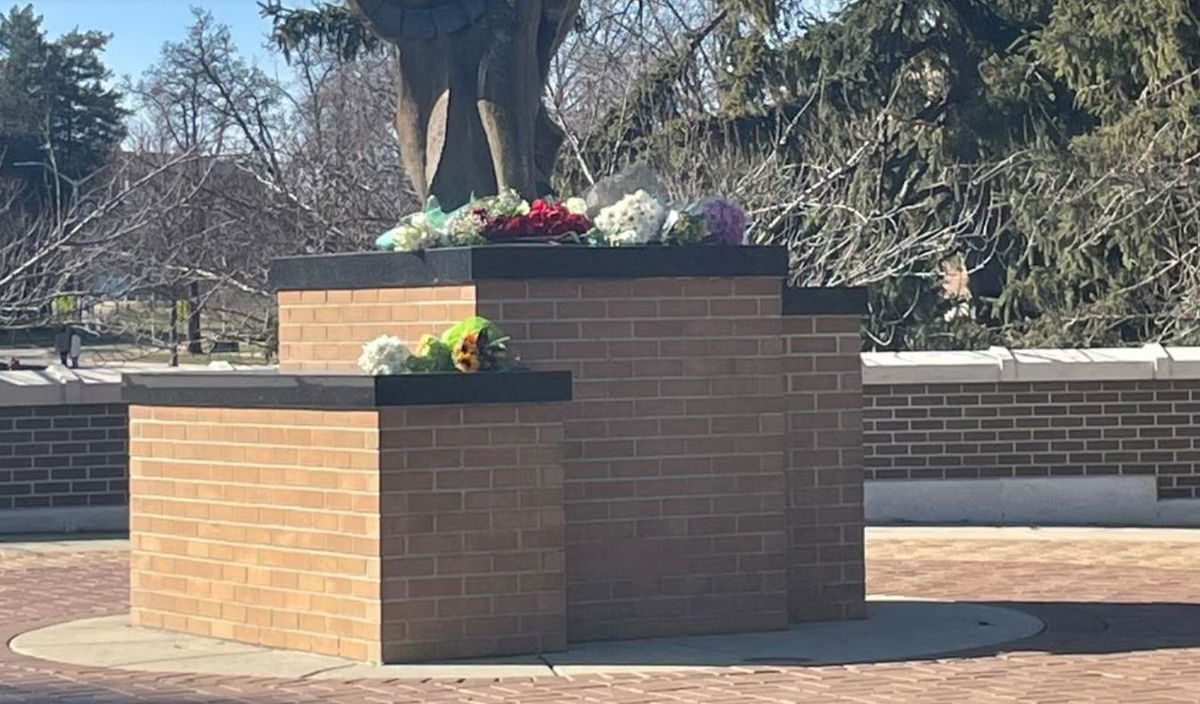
(1108, 227)
(1052, 142)
(328, 26)
(1049, 147)
(59, 122)
(432, 355)
(453, 336)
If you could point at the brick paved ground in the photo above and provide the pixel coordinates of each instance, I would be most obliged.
(1123, 627)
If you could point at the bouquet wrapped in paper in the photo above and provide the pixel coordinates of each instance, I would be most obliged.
(477, 344)
(472, 345)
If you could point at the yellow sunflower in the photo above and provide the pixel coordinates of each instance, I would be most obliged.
(466, 355)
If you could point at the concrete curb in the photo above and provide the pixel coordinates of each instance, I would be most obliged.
(894, 630)
(89, 519)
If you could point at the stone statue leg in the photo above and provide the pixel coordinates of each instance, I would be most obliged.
(549, 141)
(470, 116)
(558, 16)
(442, 141)
(510, 91)
(424, 78)
(420, 81)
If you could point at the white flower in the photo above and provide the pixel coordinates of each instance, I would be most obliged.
(410, 239)
(464, 229)
(508, 202)
(384, 356)
(577, 206)
(635, 219)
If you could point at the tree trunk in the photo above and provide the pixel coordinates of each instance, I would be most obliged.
(195, 344)
(174, 331)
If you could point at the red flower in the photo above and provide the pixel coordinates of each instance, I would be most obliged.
(545, 220)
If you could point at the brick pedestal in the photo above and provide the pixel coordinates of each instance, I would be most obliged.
(702, 493)
(823, 374)
(687, 460)
(330, 515)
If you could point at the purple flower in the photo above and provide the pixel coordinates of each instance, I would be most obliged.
(724, 221)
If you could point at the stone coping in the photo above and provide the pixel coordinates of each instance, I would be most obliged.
(57, 386)
(999, 364)
(464, 265)
(832, 300)
(61, 386)
(342, 391)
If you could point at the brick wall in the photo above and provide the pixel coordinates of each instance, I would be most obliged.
(257, 525)
(60, 456)
(472, 531)
(674, 447)
(675, 444)
(1037, 429)
(397, 535)
(825, 467)
(325, 330)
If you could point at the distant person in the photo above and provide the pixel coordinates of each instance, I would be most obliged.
(76, 348)
(62, 344)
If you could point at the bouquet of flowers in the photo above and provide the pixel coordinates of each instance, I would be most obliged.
(637, 218)
(432, 355)
(724, 222)
(472, 345)
(544, 220)
(472, 220)
(477, 344)
(428, 229)
(384, 356)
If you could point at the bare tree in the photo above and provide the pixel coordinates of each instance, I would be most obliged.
(52, 255)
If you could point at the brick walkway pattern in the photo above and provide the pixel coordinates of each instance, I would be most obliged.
(1123, 627)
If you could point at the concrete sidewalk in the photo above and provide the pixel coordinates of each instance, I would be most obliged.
(895, 630)
(1121, 611)
(16, 545)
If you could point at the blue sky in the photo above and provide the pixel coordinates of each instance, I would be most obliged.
(140, 27)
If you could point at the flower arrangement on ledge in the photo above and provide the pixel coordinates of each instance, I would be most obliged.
(638, 218)
(472, 345)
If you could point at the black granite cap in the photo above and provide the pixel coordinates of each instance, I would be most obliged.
(824, 301)
(342, 391)
(463, 265)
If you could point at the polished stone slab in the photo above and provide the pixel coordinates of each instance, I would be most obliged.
(465, 265)
(342, 391)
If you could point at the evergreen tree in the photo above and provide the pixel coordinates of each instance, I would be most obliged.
(59, 121)
(1054, 140)
(1109, 227)
(1071, 123)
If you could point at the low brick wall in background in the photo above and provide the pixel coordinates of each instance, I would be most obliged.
(1110, 436)
(63, 451)
(63, 456)
(1037, 429)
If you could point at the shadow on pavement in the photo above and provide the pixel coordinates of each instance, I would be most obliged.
(1071, 628)
(1094, 628)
